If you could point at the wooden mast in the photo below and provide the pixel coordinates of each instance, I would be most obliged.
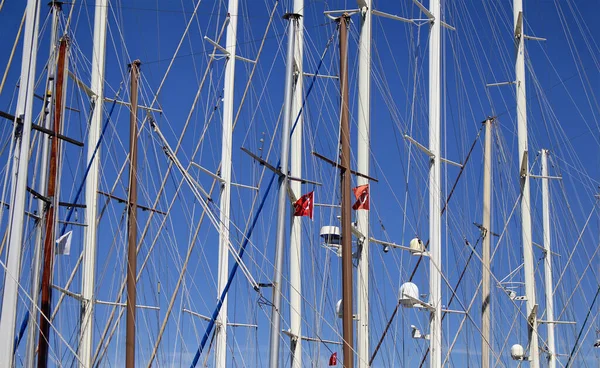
(45, 308)
(134, 69)
(36, 264)
(346, 179)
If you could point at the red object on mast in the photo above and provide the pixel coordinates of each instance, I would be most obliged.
(333, 359)
(362, 197)
(304, 206)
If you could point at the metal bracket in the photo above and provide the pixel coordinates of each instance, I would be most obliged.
(431, 17)
(519, 30)
(498, 84)
(532, 315)
(206, 318)
(428, 152)
(335, 164)
(519, 25)
(276, 170)
(39, 128)
(421, 303)
(348, 12)
(394, 17)
(227, 53)
(524, 164)
(312, 339)
(122, 200)
(545, 177)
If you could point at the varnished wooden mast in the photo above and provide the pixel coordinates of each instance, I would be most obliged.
(45, 308)
(346, 178)
(132, 219)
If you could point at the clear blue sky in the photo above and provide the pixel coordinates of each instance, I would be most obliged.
(564, 110)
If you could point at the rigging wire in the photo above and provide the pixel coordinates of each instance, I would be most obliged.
(251, 228)
(377, 347)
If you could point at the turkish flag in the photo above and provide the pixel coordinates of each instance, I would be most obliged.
(362, 197)
(333, 359)
(304, 206)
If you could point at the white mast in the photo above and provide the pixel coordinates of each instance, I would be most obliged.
(435, 187)
(362, 157)
(282, 194)
(21, 134)
(524, 174)
(225, 198)
(548, 261)
(91, 185)
(32, 330)
(487, 241)
(296, 171)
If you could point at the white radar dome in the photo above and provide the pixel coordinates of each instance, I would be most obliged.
(408, 292)
(517, 352)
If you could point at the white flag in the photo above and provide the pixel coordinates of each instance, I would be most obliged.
(63, 244)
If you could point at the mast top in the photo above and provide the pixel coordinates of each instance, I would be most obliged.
(136, 62)
(287, 16)
(57, 4)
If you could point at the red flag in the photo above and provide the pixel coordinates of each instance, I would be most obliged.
(362, 197)
(333, 359)
(304, 206)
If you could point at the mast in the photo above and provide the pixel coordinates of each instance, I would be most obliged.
(91, 186)
(346, 180)
(362, 158)
(283, 196)
(548, 261)
(296, 171)
(132, 219)
(42, 187)
(21, 136)
(435, 187)
(224, 201)
(487, 241)
(524, 181)
(50, 221)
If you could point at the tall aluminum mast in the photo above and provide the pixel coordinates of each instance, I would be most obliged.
(435, 187)
(18, 190)
(549, 285)
(283, 196)
(524, 178)
(487, 241)
(225, 195)
(88, 281)
(362, 158)
(296, 171)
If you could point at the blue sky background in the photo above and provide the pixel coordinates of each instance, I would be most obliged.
(562, 83)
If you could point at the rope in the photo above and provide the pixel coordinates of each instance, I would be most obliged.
(235, 267)
(25, 321)
(421, 257)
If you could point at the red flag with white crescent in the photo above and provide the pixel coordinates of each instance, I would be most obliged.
(304, 206)
(362, 197)
(333, 359)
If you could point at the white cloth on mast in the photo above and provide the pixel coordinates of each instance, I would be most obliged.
(63, 244)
